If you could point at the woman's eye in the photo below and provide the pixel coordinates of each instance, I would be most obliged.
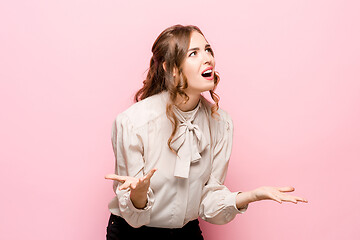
(192, 54)
(209, 50)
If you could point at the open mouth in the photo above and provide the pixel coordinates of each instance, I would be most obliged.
(207, 73)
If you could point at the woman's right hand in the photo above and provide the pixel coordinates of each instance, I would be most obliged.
(138, 187)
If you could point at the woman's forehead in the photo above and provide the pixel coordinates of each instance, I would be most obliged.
(197, 40)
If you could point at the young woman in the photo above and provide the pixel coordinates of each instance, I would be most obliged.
(172, 148)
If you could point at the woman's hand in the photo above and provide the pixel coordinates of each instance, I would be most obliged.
(278, 194)
(138, 187)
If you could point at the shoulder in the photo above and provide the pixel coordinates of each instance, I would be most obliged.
(144, 111)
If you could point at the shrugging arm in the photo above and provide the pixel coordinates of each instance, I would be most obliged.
(128, 150)
(218, 204)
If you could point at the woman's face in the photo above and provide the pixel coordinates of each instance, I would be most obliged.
(199, 65)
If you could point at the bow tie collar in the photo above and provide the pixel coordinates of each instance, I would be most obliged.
(188, 142)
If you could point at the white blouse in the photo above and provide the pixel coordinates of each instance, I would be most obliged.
(186, 185)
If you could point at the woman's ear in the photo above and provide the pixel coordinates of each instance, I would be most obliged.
(164, 66)
(174, 69)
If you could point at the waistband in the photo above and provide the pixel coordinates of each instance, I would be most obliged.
(189, 225)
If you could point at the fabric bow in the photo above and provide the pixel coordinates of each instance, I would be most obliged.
(188, 142)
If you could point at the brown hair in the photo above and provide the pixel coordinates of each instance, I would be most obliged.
(169, 52)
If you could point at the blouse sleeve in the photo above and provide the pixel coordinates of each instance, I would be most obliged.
(129, 161)
(218, 205)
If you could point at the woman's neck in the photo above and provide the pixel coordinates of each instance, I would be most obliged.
(190, 104)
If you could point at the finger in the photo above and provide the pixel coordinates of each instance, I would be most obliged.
(286, 189)
(294, 198)
(143, 180)
(150, 174)
(116, 177)
(299, 199)
(289, 198)
(133, 185)
(275, 198)
(125, 185)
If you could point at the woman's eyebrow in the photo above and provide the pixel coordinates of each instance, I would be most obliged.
(196, 48)
(191, 49)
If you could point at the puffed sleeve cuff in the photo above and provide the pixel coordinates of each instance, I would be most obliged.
(136, 217)
(231, 210)
(241, 210)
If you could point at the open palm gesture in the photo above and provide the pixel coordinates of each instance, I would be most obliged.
(138, 187)
(135, 184)
(278, 194)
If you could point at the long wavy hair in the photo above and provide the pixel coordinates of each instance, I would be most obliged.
(165, 71)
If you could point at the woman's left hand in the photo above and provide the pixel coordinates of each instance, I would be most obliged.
(278, 194)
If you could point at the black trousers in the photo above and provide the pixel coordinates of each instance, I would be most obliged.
(119, 229)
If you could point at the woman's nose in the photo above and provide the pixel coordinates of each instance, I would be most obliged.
(208, 58)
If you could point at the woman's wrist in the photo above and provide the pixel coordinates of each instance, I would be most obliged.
(139, 199)
(244, 198)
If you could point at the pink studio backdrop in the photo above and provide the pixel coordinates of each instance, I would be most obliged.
(289, 78)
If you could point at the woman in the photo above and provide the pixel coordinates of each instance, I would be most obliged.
(172, 148)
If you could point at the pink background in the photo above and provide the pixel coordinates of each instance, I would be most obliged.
(290, 79)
